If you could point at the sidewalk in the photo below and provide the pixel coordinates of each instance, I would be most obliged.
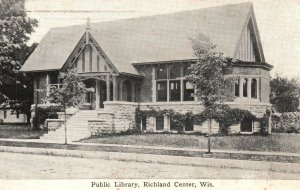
(161, 159)
(135, 151)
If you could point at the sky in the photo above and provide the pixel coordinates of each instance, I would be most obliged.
(278, 21)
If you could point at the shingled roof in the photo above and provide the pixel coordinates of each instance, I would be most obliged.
(146, 39)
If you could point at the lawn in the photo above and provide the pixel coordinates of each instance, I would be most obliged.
(272, 143)
(18, 131)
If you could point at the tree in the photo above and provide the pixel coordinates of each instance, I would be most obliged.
(284, 94)
(208, 76)
(72, 94)
(15, 28)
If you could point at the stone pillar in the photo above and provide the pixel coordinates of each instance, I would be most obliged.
(153, 85)
(107, 88)
(181, 91)
(97, 94)
(257, 88)
(249, 87)
(168, 91)
(47, 87)
(115, 90)
(241, 86)
(166, 123)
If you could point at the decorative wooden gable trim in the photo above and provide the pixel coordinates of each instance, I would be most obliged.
(88, 58)
(249, 47)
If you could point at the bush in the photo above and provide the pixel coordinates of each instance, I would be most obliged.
(131, 131)
(288, 122)
(41, 114)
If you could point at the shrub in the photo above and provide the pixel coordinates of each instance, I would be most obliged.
(288, 122)
(131, 131)
(41, 114)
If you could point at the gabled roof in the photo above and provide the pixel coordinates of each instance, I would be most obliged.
(147, 39)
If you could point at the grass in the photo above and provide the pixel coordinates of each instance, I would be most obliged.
(273, 143)
(18, 131)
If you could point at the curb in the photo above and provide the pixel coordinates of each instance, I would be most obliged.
(160, 159)
(151, 150)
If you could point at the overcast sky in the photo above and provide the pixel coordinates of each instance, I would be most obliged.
(278, 21)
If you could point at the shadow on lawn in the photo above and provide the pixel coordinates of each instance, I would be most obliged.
(19, 131)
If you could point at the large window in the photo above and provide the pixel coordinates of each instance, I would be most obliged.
(171, 84)
(247, 89)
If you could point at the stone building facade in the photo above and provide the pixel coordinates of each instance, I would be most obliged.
(142, 63)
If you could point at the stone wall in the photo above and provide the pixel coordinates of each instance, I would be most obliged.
(123, 114)
(256, 108)
(99, 127)
(53, 124)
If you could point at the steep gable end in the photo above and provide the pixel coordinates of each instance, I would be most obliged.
(87, 57)
(249, 48)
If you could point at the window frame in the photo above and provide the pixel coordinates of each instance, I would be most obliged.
(169, 80)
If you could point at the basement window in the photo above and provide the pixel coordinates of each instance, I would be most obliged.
(160, 123)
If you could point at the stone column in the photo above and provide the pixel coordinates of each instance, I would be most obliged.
(257, 88)
(181, 91)
(47, 87)
(115, 90)
(107, 88)
(168, 91)
(153, 85)
(241, 86)
(97, 94)
(249, 87)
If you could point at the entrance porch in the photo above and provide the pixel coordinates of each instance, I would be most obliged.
(109, 87)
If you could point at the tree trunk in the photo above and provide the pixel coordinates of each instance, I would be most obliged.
(209, 134)
(66, 142)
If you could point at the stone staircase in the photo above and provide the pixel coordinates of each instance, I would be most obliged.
(77, 128)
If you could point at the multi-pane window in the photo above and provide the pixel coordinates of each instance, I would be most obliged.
(171, 85)
(247, 89)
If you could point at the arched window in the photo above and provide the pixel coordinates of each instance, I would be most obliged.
(245, 84)
(237, 88)
(253, 88)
